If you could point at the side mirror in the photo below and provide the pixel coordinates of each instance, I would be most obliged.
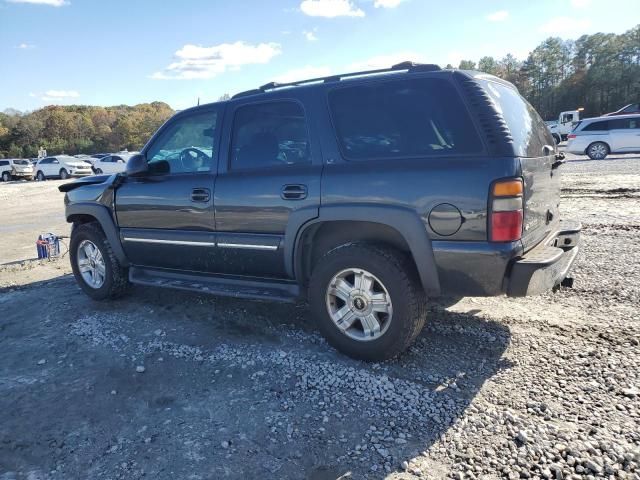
(137, 165)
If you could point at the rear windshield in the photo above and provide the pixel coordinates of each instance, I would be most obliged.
(528, 130)
(420, 117)
(21, 162)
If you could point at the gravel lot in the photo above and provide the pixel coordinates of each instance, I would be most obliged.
(165, 384)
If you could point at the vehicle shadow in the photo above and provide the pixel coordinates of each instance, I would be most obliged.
(286, 404)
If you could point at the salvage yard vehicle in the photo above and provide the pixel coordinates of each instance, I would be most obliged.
(367, 193)
(600, 136)
(61, 166)
(561, 128)
(15, 169)
(626, 110)
(116, 163)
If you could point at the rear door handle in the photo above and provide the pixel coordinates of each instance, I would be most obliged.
(200, 195)
(294, 192)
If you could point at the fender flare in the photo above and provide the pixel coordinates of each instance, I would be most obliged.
(105, 219)
(406, 222)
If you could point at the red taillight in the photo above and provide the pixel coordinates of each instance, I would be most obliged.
(505, 221)
(571, 135)
(506, 226)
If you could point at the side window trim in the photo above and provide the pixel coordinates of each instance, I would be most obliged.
(231, 119)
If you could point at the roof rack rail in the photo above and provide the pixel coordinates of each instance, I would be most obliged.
(408, 66)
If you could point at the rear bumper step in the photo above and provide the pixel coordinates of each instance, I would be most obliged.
(548, 264)
(257, 289)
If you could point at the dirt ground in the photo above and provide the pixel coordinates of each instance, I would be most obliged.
(171, 385)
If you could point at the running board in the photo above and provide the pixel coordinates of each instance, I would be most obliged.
(259, 289)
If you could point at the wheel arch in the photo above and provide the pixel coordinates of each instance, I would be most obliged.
(81, 213)
(397, 227)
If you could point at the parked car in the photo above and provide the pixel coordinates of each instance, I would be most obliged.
(99, 155)
(564, 125)
(15, 169)
(600, 136)
(367, 193)
(626, 110)
(61, 166)
(110, 164)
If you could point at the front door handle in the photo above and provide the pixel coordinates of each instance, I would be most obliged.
(200, 195)
(294, 192)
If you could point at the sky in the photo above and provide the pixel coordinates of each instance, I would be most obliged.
(113, 52)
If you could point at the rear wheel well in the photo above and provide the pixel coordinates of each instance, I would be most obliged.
(319, 238)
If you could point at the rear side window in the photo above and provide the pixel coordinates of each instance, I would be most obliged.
(3, 163)
(597, 126)
(402, 118)
(530, 135)
(268, 135)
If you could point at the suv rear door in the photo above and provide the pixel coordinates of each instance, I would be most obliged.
(268, 182)
(166, 216)
(534, 145)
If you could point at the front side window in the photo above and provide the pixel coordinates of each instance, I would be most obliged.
(186, 145)
(269, 135)
(402, 118)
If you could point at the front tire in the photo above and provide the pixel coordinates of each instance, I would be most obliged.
(98, 171)
(40, 176)
(598, 151)
(64, 174)
(557, 138)
(6, 177)
(95, 266)
(367, 300)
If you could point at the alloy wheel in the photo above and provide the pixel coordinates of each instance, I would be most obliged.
(91, 264)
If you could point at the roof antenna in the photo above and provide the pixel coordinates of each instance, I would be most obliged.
(198, 101)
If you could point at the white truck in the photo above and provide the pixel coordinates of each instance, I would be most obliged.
(566, 122)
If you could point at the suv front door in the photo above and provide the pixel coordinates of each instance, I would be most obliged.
(166, 216)
(268, 185)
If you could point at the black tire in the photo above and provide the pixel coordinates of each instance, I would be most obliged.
(98, 171)
(64, 174)
(557, 138)
(40, 176)
(598, 151)
(6, 177)
(398, 275)
(116, 281)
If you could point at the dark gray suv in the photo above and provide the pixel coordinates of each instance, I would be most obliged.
(367, 193)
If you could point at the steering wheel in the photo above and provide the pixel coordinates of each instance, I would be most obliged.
(193, 155)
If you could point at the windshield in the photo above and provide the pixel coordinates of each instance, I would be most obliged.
(21, 162)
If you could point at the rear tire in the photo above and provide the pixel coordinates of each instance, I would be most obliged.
(598, 151)
(113, 282)
(64, 174)
(557, 138)
(391, 279)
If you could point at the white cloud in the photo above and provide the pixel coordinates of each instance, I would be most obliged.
(196, 62)
(330, 8)
(56, 96)
(310, 35)
(499, 16)
(387, 3)
(557, 25)
(26, 46)
(580, 3)
(385, 61)
(51, 3)
(303, 73)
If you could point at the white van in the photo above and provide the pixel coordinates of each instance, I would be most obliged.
(598, 137)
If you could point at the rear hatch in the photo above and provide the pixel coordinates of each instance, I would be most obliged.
(535, 147)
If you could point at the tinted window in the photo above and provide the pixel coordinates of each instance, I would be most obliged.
(186, 145)
(3, 163)
(407, 118)
(527, 128)
(619, 124)
(269, 134)
(597, 126)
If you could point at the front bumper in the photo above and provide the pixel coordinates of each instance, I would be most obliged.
(545, 266)
(80, 173)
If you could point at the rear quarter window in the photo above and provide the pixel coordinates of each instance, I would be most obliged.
(597, 126)
(419, 117)
(527, 128)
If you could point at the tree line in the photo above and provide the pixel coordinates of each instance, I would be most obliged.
(599, 73)
(79, 129)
